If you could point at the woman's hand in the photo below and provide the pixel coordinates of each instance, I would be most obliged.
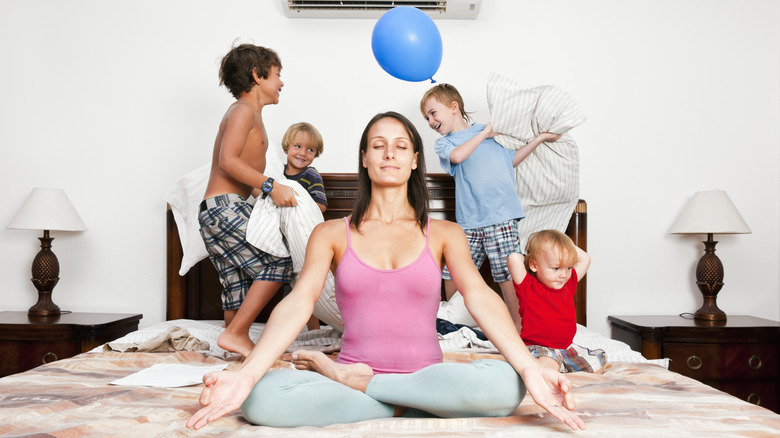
(225, 391)
(550, 390)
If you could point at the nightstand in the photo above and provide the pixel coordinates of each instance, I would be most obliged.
(741, 357)
(26, 342)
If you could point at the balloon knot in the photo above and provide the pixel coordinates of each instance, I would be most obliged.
(432, 81)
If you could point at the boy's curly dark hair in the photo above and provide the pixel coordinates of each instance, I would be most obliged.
(235, 71)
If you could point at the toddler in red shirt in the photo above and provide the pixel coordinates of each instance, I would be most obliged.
(545, 281)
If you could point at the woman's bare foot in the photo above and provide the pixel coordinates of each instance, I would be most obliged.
(356, 376)
(235, 343)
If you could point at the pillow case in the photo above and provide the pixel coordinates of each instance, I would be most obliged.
(547, 181)
(184, 197)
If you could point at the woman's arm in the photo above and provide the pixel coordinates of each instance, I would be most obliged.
(548, 388)
(225, 391)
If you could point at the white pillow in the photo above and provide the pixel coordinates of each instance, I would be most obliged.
(521, 112)
(184, 197)
(547, 181)
(268, 222)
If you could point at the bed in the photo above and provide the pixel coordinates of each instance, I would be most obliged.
(75, 397)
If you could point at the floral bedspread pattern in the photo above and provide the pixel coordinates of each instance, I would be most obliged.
(72, 397)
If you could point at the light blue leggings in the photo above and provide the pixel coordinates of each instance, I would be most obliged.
(290, 398)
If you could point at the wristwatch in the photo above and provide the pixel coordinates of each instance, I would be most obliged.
(267, 186)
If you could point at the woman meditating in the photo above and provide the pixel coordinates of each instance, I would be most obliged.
(386, 258)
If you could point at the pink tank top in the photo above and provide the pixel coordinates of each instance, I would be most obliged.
(389, 315)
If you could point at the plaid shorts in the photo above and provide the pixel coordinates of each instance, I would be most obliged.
(223, 220)
(497, 242)
(574, 358)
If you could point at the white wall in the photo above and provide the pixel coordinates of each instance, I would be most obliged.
(113, 101)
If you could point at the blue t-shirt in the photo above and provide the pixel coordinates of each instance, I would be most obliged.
(484, 183)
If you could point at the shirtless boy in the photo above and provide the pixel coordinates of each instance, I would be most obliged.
(250, 277)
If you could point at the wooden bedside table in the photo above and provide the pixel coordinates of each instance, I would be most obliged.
(741, 357)
(26, 342)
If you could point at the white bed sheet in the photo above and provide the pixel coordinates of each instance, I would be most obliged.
(328, 339)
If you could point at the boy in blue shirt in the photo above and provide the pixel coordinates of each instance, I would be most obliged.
(486, 204)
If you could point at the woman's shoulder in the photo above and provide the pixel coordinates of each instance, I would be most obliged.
(332, 224)
(332, 233)
(444, 228)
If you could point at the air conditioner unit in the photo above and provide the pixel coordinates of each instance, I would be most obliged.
(449, 9)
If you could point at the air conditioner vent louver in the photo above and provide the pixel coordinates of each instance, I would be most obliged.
(456, 9)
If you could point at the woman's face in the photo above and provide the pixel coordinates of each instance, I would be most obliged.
(389, 156)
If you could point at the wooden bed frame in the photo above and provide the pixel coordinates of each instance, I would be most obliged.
(197, 294)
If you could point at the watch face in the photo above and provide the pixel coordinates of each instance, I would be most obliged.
(267, 186)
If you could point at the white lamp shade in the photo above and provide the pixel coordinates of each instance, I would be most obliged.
(47, 209)
(710, 212)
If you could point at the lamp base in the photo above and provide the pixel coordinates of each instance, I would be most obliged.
(45, 306)
(709, 278)
(45, 275)
(709, 311)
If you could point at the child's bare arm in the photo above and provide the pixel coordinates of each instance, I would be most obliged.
(515, 262)
(322, 207)
(523, 153)
(238, 132)
(462, 152)
(583, 263)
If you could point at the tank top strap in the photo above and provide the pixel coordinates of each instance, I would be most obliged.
(349, 238)
(428, 232)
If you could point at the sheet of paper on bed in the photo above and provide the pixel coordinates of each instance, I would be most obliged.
(168, 375)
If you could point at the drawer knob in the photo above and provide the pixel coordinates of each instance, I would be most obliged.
(754, 362)
(754, 398)
(694, 362)
(49, 357)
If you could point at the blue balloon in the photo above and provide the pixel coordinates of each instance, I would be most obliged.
(407, 44)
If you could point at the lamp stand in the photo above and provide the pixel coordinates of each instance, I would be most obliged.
(45, 275)
(709, 278)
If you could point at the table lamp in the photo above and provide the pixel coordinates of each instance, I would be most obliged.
(47, 210)
(710, 212)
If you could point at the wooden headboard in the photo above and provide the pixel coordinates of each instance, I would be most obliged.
(197, 294)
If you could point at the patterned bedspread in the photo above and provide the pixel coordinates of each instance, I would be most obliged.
(73, 398)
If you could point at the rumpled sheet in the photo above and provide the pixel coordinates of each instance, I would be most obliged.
(174, 338)
(72, 397)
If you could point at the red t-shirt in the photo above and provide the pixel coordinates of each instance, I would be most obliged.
(549, 318)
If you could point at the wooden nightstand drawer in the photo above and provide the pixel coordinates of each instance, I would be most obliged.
(23, 355)
(723, 361)
(759, 393)
(27, 342)
(740, 356)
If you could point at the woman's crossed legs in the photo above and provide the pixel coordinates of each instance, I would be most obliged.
(323, 392)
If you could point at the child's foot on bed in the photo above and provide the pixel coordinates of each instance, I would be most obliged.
(356, 376)
(235, 343)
